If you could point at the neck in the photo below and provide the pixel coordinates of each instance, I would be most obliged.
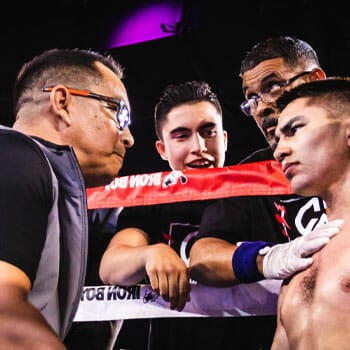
(338, 201)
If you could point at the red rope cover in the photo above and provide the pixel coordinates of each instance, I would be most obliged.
(252, 179)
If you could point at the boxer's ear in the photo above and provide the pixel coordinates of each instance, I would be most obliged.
(347, 130)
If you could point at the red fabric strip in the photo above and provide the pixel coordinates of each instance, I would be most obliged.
(252, 179)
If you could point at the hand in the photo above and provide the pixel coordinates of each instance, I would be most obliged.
(168, 275)
(283, 260)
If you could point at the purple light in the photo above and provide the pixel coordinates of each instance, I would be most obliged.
(144, 24)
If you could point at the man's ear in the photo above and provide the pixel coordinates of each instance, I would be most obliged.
(225, 139)
(60, 99)
(347, 130)
(317, 74)
(161, 149)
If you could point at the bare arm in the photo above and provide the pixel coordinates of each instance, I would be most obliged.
(211, 262)
(211, 258)
(21, 325)
(123, 262)
(129, 258)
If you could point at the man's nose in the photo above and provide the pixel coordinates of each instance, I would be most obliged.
(199, 144)
(280, 151)
(127, 138)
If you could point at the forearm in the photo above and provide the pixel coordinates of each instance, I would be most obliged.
(123, 265)
(124, 260)
(216, 262)
(211, 262)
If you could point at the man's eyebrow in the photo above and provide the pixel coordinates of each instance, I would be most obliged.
(263, 80)
(201, 127)
(288, 125)
(179, 129)
(269, 76)
(207, 125)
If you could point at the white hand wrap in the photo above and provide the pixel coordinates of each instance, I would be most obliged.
(283, 260)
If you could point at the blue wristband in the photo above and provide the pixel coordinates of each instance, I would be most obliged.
(244, 261)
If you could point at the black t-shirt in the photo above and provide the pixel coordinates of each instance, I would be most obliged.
(25, 201)
(269, 218)
(175, 224)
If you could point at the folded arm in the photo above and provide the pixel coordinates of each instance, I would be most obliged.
(129, 258)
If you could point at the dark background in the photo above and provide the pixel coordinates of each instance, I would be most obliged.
(208, 44)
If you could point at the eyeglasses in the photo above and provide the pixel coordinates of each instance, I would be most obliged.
(122, 113)
(269, 95)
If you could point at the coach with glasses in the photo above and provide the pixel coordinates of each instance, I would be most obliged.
(70, 132)
(216, 258)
